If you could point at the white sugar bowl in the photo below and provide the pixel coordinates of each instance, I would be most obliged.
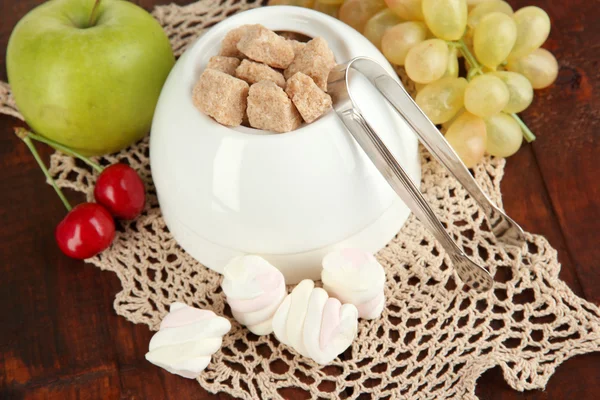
(290, 198)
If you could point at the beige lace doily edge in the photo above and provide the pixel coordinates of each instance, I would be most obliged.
(433, 341)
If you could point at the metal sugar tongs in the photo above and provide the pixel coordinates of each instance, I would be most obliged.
(504, 228)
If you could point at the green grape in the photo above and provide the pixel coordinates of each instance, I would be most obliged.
(540, 67)
(533, 28)
(427, 61)
(356, 13)
(299, 3)
(332, 2)
(504, 135)
(489, 7)
(467, 135)
(397, 41)
(447, 19)
(494, 38)
(409, 10)
(379, 24)
(486, 95)
(520, 89)
(325, 8)
(442, 99)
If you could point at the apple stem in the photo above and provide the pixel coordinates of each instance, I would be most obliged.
(24, 135)
(92, 20)
(65, 149)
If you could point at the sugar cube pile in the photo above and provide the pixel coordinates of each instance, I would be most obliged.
(269, 81)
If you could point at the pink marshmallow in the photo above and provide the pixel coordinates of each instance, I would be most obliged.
(270, 283)
(330, 322)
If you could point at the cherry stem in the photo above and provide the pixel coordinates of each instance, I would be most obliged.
(65, 149)
(92, 20)
(475, 70)
(23, 134)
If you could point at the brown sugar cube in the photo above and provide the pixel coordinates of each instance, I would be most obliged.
(224, 64)
(269, 108)
(221, 96)
(319, 47)
(253, 72)
(315, 60)
(229, 43)
(308, 98)
(297, 46)
(266, 46)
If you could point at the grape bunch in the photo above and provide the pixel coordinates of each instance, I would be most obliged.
(476, 106)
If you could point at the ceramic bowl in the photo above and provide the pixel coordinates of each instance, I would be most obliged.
(291, 197)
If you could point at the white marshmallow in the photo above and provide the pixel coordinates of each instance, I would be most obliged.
(354, 276)
(187, 339)
(254, 290)
(315, 325)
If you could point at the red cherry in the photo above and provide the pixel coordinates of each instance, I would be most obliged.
(121, 190)
(85, 231)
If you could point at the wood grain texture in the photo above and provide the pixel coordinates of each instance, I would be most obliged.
(61, 339)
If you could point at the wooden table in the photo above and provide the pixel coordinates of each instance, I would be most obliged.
(61, 339)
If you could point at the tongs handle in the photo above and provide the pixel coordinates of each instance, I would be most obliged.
(503, 227)
(470, 273)
(428, 134)
(396, 176)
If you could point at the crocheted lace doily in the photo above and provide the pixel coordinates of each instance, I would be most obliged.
(434, 339)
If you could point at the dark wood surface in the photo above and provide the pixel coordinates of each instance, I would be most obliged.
(61, 339)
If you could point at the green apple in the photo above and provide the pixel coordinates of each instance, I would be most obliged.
(88, 78)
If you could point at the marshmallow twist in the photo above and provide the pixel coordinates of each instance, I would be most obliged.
(315, 325)
(254, 290)
(187, 339)
(355, 277)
